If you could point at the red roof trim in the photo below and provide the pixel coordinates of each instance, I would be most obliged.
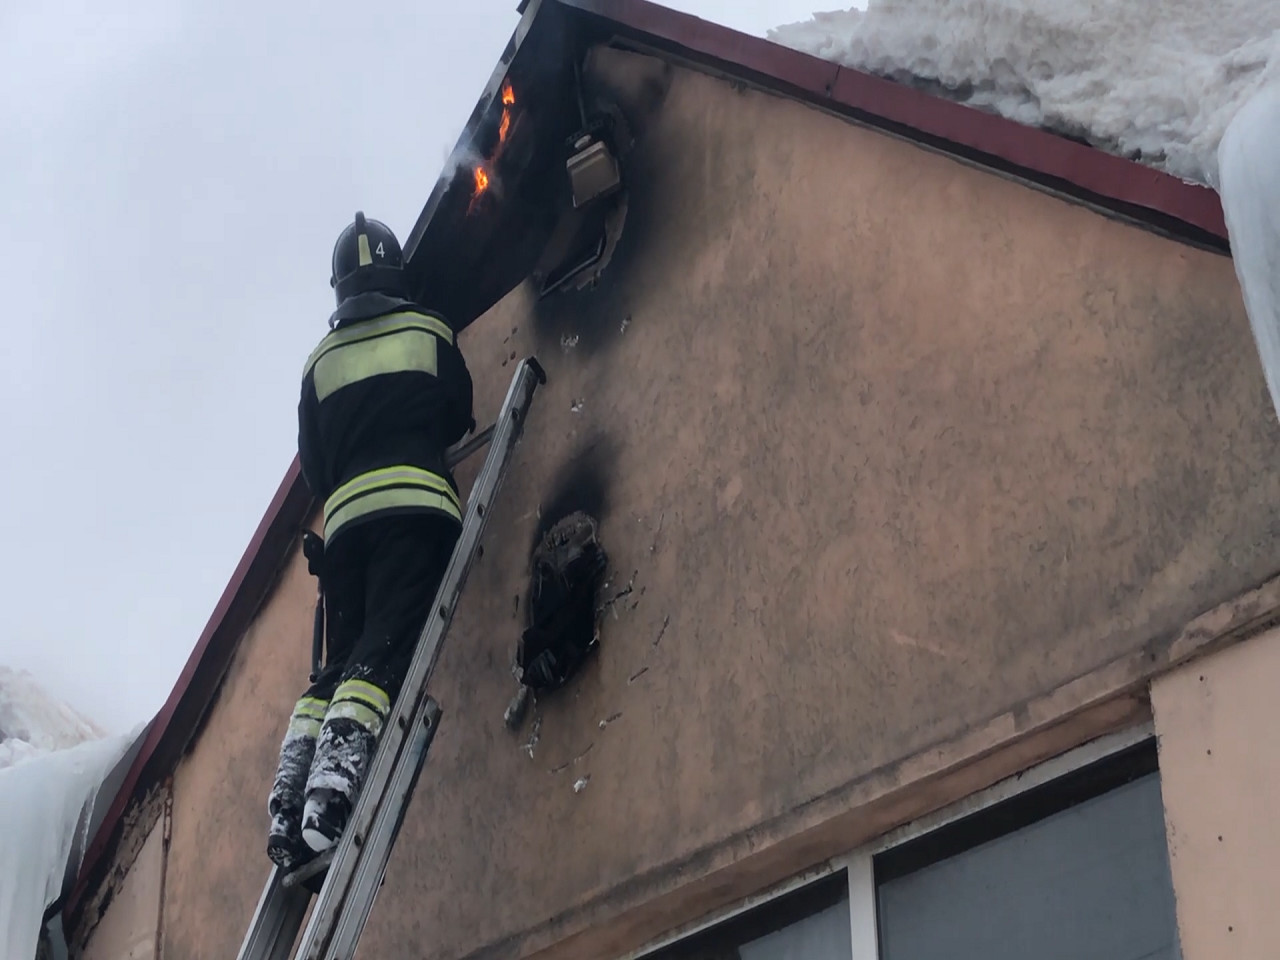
(1122, 185)
(1113, 181)
(1099, 173)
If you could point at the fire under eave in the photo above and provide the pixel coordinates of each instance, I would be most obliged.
(464, 255)
(467, 251)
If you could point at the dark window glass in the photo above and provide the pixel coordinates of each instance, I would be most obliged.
(809, 924)
(1076, 870)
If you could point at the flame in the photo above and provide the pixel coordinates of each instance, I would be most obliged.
(508, 100)
(480, 173)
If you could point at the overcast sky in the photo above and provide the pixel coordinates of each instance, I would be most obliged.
(172, 177)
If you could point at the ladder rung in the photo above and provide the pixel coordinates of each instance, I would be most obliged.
(465, 449)
(311, 868)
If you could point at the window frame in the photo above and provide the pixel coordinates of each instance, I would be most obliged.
(756, 902)
(859, 865)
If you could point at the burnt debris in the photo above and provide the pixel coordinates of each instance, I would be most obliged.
(568, 566)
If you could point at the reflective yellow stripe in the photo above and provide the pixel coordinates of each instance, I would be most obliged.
(389, 500)
(304, 727)
(387, 477)
(405, 351)
(311, 707)
(386, 489)
(364, 690)
(362, 245)
(391, 323)
(308, 715)
(363, 702)
(366, 716)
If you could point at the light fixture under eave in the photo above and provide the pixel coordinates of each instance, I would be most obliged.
(593, 171)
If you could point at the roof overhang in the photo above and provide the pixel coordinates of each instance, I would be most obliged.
(494, 245)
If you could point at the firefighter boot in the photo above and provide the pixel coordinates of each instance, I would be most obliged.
(343, 754)
(344, 751)
(285, 804)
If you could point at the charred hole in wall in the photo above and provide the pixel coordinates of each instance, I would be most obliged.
(561, 627)
(567, 564)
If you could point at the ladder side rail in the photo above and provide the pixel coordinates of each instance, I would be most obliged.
(276, 920)
(391, 760)
(376, 851)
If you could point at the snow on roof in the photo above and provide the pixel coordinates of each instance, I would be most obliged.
(1155, 81)
(48, 802)
(53, 765)
(32, 722)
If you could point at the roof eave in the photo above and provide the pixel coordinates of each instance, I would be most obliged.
(1113, 185)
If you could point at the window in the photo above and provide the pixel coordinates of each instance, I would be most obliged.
(811, 923)
(1065, 861)
(1076, 868)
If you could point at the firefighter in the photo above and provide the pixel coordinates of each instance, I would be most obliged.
(384, 394)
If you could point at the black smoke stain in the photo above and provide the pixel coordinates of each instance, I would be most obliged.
(583, 484)
(594, 315)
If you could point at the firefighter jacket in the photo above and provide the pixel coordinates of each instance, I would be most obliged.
(384, 395)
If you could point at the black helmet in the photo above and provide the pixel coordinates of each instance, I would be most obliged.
(366, 257)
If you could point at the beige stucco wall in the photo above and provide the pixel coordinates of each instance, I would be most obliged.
(908, 462)
(1219, 734)
(129, 928)
(218, 846)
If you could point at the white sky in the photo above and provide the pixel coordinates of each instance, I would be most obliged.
(172, 177)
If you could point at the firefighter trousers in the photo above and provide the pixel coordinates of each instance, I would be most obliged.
(380, 580)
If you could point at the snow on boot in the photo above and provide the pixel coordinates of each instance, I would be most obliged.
(284, 840)
(286, 801)
(343, 753)
(326, 816)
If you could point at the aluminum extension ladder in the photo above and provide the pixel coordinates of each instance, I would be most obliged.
(357, 863)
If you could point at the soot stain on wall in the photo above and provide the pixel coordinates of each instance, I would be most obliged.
(593, 317)
(582, 484)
